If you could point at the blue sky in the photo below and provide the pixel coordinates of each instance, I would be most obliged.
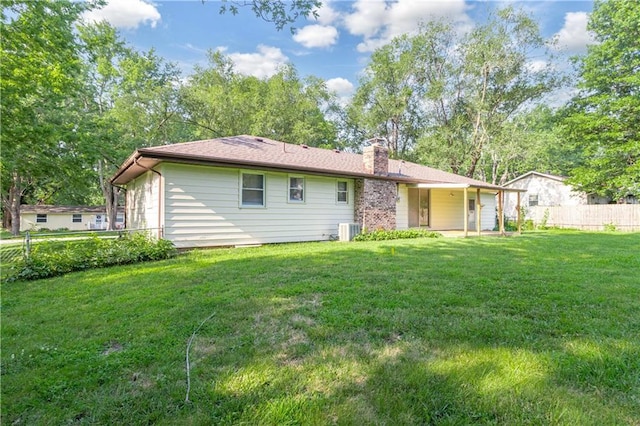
(335, 47)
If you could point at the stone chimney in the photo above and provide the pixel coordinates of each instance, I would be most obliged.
(376, 159)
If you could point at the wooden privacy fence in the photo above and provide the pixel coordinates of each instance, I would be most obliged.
(592, 217)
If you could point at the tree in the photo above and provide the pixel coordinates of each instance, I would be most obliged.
(130, 98)
(280, 12)
(528, 141)
(217, 101)
(486, 82)
(387, 103)
(446, 98)
(40, 74)
(603, 120)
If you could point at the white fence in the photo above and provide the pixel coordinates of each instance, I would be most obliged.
(592, 217)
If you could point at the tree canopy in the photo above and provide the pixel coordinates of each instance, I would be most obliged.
(40, 77)
(603, 120)
(449, 99)
(218, 101)
(280, 12)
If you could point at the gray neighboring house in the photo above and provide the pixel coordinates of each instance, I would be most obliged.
(543, 189)
(244, 190)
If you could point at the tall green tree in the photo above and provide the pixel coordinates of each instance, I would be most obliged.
(40, 76)
(131, 101)
(217, 101)
(529, 141)
(447, 99)
(603, 120)
(482, 87)
(388, 102)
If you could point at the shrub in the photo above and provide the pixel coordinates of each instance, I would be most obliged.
(51, 258)
(396, 234)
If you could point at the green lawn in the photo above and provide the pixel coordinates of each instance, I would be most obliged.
(542, 328)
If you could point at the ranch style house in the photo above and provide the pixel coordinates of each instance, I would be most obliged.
(246, 190)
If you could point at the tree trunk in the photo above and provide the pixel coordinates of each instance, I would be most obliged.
(111, 195)
(15, 197)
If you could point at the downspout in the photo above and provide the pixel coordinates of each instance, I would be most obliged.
(125, 204)
(160, 197)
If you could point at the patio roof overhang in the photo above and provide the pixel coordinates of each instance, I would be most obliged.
(445, 185)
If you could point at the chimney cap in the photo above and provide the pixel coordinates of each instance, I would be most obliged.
(376, 141)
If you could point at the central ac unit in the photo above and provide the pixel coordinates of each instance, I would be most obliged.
(346, 231)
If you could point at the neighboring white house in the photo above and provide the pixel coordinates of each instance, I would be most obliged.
(244, 190)
(544, 190)
(73, 218)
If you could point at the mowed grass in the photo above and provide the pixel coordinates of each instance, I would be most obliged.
(542, 328)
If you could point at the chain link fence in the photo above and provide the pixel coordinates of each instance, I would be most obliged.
(13, 250)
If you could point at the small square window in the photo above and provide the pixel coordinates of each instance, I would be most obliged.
(252, 190)
(77, 218)
(296, 189)
(41, 218)
(342, 194)
(533, 200)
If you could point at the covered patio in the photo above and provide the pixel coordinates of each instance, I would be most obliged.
(457, 208)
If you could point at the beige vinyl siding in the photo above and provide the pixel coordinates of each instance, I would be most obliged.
(447, 210)
(143, 202)
(203, 208)
(402, 208)
(56, 221)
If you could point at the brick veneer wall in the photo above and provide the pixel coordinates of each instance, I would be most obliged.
(375, 204)
(376, 159)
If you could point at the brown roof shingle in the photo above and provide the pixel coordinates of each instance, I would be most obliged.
(254, 151)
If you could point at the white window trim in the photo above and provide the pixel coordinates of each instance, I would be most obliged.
(338, 191)
(46, 218)
(73, 218)
(304, 189)
(264, 190)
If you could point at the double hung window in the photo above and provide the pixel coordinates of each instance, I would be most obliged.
(296, 189)
(253, 190)
(342, 192)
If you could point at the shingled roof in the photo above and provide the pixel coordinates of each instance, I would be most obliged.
(256, 152)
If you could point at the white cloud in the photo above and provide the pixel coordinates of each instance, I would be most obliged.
(316, 36)
(574, 36)
(326, 14)
(378, 21)
(341, 86)
(537, 65)
(128, 14)
(367, 19)
(262, 64)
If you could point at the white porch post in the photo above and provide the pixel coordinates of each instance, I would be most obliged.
(478, 212)
(519, 218)
(500, 212)
(465, 209)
